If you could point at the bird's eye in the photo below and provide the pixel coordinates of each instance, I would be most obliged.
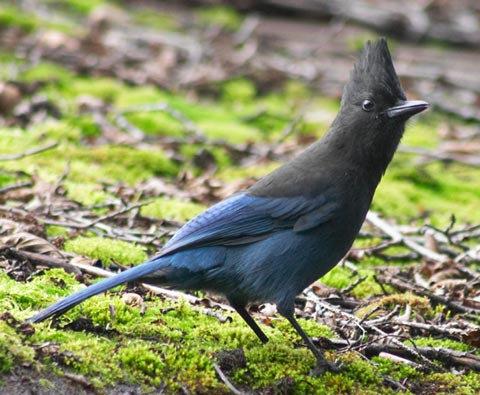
(368, 105)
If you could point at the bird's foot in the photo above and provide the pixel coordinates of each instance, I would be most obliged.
(324, 365)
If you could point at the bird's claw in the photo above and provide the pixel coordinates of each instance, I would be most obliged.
(324, 365)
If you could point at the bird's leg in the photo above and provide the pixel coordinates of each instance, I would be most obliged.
(250, 321)
(323, 364)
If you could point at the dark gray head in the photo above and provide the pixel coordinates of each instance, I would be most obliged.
(374, 108)
(374, 77)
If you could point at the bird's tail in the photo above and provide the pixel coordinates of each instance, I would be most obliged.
(71, 301)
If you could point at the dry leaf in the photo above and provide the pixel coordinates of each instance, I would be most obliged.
(28, 242)
(133, 299)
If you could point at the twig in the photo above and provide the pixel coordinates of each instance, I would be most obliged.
(289, 129)
(368, 325)
(20, 185)
(396, 235)
(470, 160)
(117, 213)
(226, 381)
(357, 281)
(399, 283)
(29, 152)
(62, 177)
(42, 259)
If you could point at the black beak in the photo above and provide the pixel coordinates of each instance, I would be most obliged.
(407, 108)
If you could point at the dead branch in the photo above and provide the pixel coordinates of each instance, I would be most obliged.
(396, 235)
(13, 187)
(29, 152)
(367, 326)
(41, 259)
(403, 285)
(470, 160)
(226, 381)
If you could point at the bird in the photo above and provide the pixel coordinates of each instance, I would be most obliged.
(272, 240)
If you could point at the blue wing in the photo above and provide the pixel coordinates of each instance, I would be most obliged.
(244, 218)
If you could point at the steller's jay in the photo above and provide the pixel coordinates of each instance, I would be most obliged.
(268, 243)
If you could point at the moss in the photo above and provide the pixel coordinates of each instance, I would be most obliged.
(93, 164)
(297, 90)
(106, 89)
(86, 194)
(86, 124)
(340, 277)
(238, 90)
(243, 173)
(106, 250)
(138, 96)
(397, 371)
(233, 131)
(19, 299)
(418, 304)
(429, 190)
(12, 16)
(114, 163)
(45, 71)
(172, 209)
(422, 132)
(156, 124)
(83, 7)
(56, 231)
(155, 20)
(442, 343)
(223, 16)
(12, 351)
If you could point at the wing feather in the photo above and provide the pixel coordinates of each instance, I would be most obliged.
(244, 218)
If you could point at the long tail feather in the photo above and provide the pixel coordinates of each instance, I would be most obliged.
(71, 301)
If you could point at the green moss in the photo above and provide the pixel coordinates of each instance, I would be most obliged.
(238, 90)
(77, 6)
(223, 16)
(156, 123)
(124, 163)
(86, 194)
(340, 277)
(232, 131)
(172, 209)
(430, 189)
(442, 343)
(155, 20)
(86, 124)
(297, 90)
(12, 16)
(12, 351)
(56, 231)
(397, 371)
(243, 173)
(45, 71)
(20, 299)
(422, 132)
(106, 250)
(106, 89)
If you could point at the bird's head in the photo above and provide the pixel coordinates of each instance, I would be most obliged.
(374, 108)
(374, 92)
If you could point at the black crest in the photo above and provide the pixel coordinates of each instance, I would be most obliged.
(374, 71)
